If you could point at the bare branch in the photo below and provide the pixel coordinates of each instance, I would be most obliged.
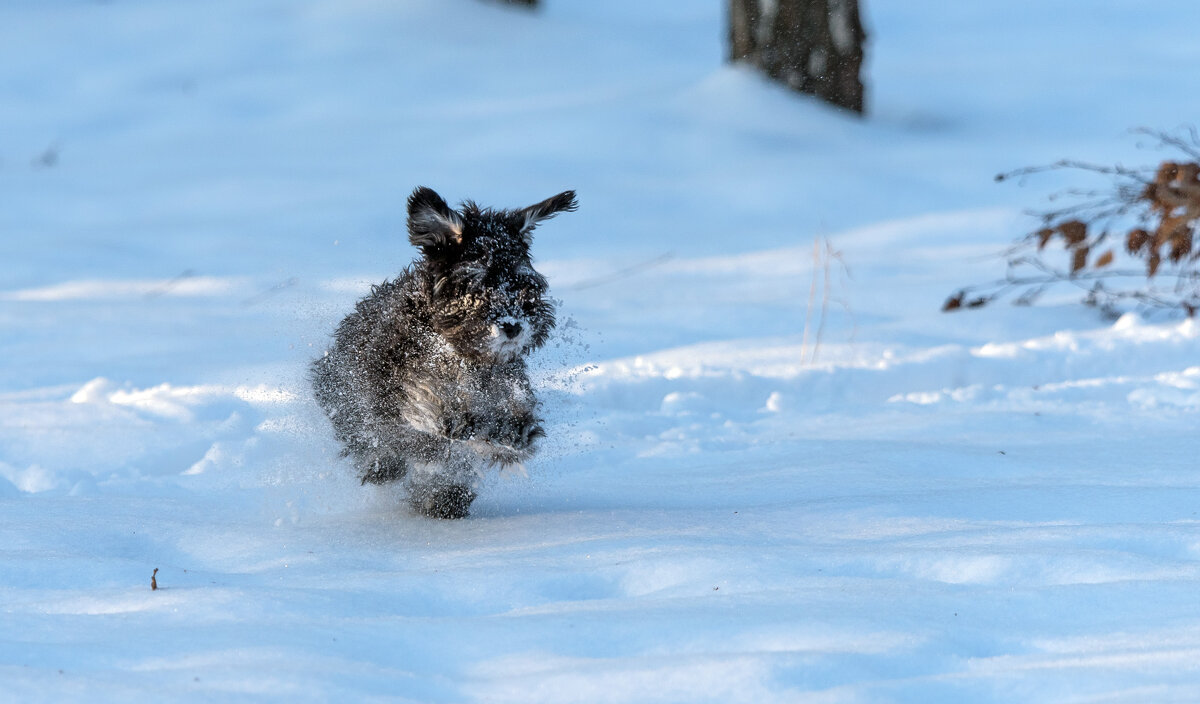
(1156, 210)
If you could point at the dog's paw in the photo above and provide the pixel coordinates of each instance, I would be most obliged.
(449, 501)
(507, 455)
(497, 453)
(528, 432)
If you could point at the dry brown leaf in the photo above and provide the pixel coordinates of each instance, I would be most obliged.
(1079, 258)
(1074, 232)
(1136, 240)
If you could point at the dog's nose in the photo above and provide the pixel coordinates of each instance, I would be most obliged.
(511, 330)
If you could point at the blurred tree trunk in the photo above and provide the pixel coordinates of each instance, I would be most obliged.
(529, 3)
(812, 46)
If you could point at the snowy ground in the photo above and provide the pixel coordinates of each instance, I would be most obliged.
(743, 498)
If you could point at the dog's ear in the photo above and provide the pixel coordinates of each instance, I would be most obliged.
(531, 216)
(432, 225)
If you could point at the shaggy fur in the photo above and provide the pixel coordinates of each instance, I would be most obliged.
(426, 379)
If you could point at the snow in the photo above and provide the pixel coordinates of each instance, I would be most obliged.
(993, 505)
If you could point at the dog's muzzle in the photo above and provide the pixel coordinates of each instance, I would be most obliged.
(508, 338)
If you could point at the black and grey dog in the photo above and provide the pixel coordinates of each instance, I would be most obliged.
(426, 379)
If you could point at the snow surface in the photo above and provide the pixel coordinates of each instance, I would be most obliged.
(772, 474)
